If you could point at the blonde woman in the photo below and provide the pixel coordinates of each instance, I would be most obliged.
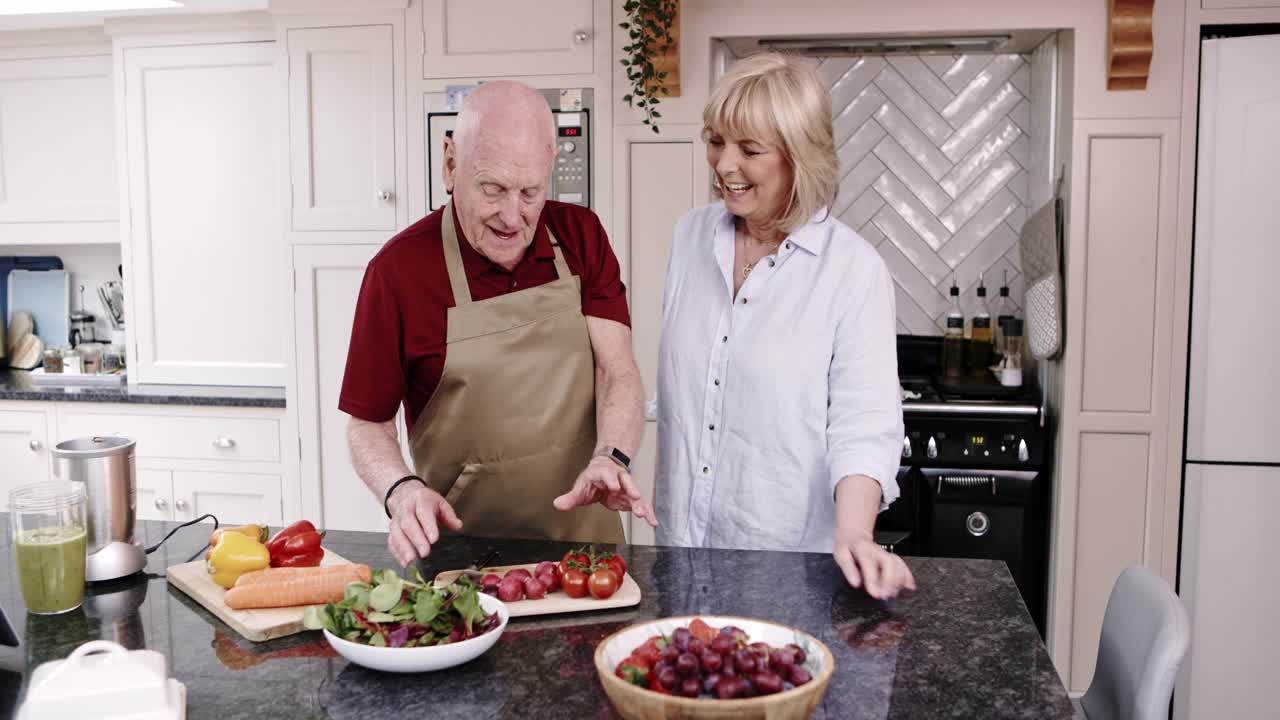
(779, 410)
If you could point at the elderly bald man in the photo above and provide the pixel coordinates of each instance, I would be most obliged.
(500, 322)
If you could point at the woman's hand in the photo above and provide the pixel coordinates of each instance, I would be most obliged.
(865, 564)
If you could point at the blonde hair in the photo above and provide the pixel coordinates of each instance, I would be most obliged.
(779, 99)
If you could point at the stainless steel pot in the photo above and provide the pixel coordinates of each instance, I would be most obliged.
(106, 467)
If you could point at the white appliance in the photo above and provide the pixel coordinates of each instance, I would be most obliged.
(1230, 557)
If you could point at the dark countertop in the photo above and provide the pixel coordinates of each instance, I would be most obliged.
(963, 646)
(17, 385)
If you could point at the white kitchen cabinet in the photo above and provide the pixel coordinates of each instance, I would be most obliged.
(494, 38)
(203, 255)
(191, 460)
(328, 281)
(342, 128)
(24, 449)
(57, 151)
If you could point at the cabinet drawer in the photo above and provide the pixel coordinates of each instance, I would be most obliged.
(183, 437)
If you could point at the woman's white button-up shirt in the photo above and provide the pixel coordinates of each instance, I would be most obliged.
(766, 400)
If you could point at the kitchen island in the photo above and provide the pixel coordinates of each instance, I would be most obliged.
(962, 646)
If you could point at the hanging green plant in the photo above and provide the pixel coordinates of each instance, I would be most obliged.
(648, 25)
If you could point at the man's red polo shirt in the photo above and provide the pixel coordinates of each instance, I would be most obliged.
(397, 347)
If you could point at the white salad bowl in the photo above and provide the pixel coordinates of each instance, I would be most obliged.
(429, 658)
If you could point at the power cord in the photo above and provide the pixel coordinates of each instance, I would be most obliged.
(189, 523)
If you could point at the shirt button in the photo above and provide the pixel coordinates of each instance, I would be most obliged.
(716, 381)
(770, 262)
(711, 427)
(744, 301)
(705, 469)
(788, 246)
(724, 339)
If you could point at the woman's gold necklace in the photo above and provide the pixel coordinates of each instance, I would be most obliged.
(747, 266)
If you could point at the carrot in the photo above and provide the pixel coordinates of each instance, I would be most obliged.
(310, 589)
(355, 573)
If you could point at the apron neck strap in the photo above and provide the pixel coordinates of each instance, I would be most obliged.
(453, 258)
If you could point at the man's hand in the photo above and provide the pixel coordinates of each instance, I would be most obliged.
(604, 481)
(416, 515)
(866, 564)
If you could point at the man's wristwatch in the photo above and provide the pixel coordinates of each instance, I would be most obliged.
(615, 455)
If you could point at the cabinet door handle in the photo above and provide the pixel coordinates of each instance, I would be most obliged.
(385, 195)
(224, 443)
(161, 504)
(180, 505)
(35, 445)
(581, 37)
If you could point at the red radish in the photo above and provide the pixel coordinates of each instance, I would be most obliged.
(546, 565)
(534, 589)
(550, 579)
(518, 573)
(511, 589)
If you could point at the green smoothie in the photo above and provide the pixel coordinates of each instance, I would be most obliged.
(51, 568)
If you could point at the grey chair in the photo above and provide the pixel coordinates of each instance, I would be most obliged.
(1145, 634)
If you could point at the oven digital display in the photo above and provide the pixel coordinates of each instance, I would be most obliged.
(570, 132)
(977, 440)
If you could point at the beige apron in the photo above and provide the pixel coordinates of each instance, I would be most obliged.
(512, 422)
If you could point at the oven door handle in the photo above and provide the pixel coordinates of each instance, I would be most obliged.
(966, 482)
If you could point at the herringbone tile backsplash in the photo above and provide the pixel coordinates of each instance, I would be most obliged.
(936, 152)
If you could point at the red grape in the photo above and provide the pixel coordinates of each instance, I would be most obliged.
(722, 644)
(726, 666)
(731, 687)
(711, 662)
(690, 687)
(681, 637)
(761, 649)
(669, 653)
(767, 683)
(798, 652)
(668, 678)
(697, 645)
(799, 676)
(745, 661)
(687, 664)
(710, 682)
(781, 659)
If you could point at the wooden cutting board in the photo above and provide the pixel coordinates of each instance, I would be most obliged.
(555, 602)
(256, 625)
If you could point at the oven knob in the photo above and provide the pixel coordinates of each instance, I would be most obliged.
(977, 523)
(906, 447)
(931, 449)
(1023, 454)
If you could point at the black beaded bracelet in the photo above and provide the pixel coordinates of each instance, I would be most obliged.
(386, 499)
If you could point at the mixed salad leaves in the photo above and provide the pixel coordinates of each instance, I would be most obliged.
(394, 612)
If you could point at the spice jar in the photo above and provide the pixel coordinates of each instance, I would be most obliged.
(71, 362)
(91, 358)
(53, 361)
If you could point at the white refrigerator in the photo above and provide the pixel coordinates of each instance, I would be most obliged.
(1229, 574)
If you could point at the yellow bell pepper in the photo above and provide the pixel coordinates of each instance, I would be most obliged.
(235, 555)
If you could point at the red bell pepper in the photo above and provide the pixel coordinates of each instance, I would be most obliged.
(296, 546)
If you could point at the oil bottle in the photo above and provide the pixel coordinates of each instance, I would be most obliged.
(980, 334)
(953, 343)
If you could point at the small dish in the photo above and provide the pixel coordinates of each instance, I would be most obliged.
(424, 659)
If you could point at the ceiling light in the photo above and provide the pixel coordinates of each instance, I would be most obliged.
(887, 45)
(48, 7)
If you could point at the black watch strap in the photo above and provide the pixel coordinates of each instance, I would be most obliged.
(386, 499)
(615, 455)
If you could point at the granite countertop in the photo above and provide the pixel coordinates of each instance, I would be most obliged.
(17, 385)
(962, 646)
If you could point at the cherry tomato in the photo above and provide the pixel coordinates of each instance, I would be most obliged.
(575, 557)
(574, 583)
(603, 583)
(617, 564)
